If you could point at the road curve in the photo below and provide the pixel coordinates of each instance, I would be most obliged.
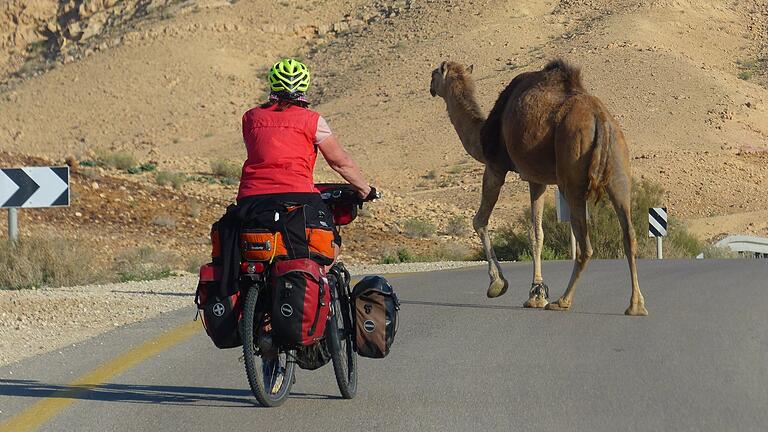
(461, 362)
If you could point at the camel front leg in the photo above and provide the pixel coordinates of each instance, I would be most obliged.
(537, 297)
(492, 182)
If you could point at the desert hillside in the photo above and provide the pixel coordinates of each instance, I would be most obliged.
(166, 82)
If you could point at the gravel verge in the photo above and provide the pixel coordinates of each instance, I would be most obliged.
(36, 321)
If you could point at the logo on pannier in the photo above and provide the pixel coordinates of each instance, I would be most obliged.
(286, 310)
(218, 309)
(368, 307)
(369, 326)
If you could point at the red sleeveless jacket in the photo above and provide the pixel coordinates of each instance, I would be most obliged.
(281, 151)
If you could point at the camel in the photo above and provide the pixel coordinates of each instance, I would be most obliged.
(549, 129)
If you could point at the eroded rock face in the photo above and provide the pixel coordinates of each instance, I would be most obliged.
(29, 27)
(21, 22)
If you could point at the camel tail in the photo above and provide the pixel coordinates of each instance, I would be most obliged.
(599, 169)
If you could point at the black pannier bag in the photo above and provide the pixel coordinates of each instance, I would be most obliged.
(376, 309)
(220, 315)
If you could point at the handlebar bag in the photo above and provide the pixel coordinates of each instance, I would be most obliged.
(220, 316)
(376, 310)
(342, 200)
(300, 301)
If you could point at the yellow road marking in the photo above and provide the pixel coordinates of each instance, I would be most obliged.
(34, 416)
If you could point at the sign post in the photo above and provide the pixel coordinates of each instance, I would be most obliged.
(657, 227)
(13, 225)
(33, 187)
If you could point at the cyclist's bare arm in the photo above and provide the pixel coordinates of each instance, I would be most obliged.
(340, 161)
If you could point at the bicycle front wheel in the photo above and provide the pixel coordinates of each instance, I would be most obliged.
(340, 337)
(269, 369)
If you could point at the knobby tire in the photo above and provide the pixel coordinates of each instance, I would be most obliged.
(254, 363)
(342, 351)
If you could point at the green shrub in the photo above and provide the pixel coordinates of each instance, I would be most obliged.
(604, 231)
(145, 167)
(121, 160)
(37, 261)
(456, 226)
(402, 255)
(175, 179)
(145, 263)
(418, 228)
(226, 169)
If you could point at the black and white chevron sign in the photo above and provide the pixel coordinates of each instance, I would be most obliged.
(657, 222)
(34, 187)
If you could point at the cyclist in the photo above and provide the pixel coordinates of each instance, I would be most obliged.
(282, 137)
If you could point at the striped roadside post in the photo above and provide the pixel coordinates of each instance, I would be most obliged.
(657, 227)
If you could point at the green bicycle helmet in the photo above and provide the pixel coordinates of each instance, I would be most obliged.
(289, 75)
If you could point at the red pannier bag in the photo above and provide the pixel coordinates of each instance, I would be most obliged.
(301, 301)
(220, 316)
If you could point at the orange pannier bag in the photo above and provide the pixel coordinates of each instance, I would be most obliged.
(266, 245)
(262, 245)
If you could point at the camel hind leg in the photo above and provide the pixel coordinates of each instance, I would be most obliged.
(619, 191)
(537, 297)
(493, 180)
(583, 252)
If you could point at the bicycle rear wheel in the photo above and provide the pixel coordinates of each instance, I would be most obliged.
(270, 374)
(340, 337)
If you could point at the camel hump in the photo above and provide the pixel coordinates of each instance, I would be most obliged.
(569, 73)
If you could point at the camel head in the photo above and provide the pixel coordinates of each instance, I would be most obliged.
(446, 74)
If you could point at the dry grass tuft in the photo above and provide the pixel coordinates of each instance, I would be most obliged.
(175, 179)
(38, 261)
(225, 169)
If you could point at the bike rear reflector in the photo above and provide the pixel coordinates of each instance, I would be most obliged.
(252, 267)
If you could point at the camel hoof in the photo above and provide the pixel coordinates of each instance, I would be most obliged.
(537, 302)
(559, 305)
(497, 288)
(636, 310)
(538, 296)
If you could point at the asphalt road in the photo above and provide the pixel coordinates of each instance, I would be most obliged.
(461, 362)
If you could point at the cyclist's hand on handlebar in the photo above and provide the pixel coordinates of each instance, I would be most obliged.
(373, 195)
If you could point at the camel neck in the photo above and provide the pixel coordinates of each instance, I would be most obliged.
(468, 121)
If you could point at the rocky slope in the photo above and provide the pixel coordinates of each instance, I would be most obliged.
(168, 81)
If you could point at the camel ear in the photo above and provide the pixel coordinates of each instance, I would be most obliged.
(470, 69)
(444, 69)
